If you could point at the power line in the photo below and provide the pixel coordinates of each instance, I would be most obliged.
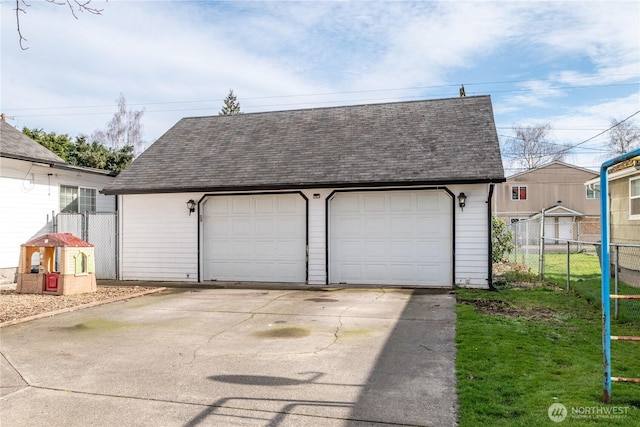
(414, 88)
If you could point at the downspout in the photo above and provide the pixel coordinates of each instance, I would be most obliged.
(490, 239)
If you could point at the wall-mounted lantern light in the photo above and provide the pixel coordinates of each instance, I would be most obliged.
(191, 205)
(462, 200)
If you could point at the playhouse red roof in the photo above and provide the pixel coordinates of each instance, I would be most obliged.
(54, 240)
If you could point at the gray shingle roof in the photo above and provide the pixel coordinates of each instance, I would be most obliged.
(406, 143)
(16, 145)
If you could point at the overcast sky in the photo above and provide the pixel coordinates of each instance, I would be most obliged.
(573, 64)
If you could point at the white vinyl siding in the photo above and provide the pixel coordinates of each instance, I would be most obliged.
(472, 231)
(317, 265)
(159, 239)
(30, 197)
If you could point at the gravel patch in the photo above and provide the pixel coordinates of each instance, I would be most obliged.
(15, 306)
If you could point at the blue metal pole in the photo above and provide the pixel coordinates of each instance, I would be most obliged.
(605, 268)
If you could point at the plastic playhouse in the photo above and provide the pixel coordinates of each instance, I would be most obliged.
(57, 264)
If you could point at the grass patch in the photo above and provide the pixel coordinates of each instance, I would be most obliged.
(521, 350)
(585, 280)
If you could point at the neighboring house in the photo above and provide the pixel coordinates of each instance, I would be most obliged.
(571, 210)
(36, 185)
(624, 216)
(344, 195)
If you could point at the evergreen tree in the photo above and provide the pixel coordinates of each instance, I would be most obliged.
(231, 105)
(82, 153)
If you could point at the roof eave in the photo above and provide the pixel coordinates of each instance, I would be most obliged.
(300, 186)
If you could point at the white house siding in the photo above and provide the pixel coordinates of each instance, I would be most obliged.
(159, 239)
(30, 198)
(317, 235)
(471, 230)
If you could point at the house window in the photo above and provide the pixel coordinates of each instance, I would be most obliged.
(518, 193)
(77, 199)
(593, 191)
(634, 198)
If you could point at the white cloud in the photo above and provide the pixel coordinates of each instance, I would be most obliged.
(179, 59)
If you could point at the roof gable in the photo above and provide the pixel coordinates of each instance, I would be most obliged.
(420, 142)
(552, 165)
(16, 145)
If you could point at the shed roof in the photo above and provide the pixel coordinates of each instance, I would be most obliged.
(432, 142)
(56, 240)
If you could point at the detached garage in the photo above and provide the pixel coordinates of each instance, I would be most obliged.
(385, 194)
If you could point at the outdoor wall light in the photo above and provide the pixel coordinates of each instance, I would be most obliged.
(191, 205)
(462, 200)
(636, 164)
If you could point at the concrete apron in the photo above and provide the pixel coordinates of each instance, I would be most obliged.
(189, 357)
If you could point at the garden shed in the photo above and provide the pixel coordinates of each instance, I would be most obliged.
(57, 264)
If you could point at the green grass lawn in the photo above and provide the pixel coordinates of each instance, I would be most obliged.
(521, 350)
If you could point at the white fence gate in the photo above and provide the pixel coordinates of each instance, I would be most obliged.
(99, 229)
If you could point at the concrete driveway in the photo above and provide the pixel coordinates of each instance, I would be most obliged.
(237, 357)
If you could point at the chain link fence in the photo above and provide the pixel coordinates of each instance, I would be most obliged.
(99, 229)
(552, 250)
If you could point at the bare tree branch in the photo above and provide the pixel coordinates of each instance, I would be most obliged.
(531, 147)
(623, 137)
(18, 11)
(74, 6)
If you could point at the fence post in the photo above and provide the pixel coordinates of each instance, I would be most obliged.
(541, 248)
(615, 286)
(568, 265)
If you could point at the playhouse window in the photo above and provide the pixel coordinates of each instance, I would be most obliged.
(35, 262)
(77, 199)
(81, 263)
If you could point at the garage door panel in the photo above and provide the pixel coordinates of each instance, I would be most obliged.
(375, 273)
(374, 203)
(264, 205)
(432, 251)
(372, 224)
(402, 250)
(401, 203)
(391, 237)
(255, 238)
(241, 226)
(350, 272)
(375, 249)
(401, 226)
(403, 273)
(289, 226)
(241, 205)
(287, 206)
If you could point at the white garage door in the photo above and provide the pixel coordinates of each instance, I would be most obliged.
(255, 238)
(391, 237)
